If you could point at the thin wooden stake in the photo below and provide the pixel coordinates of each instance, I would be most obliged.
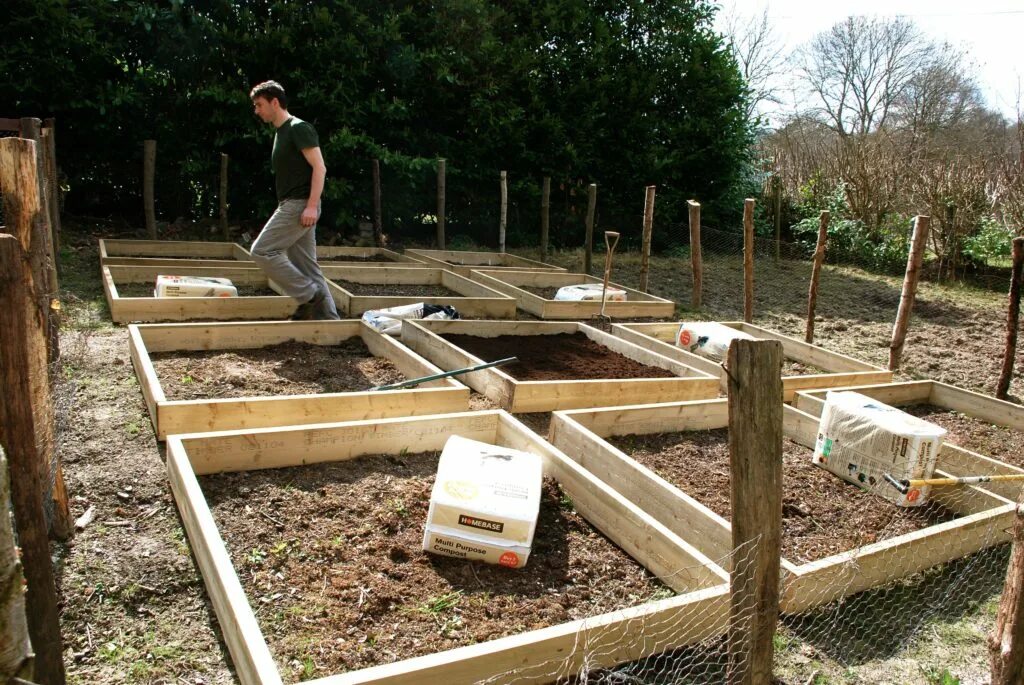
(52, 186)
(645, 246)
(1006, 641)
(777, 207)
(504, 211)
(442, 165)
(223, 199)
(148, 172)
(545, 210)
(378, 207)
(819, 259)
(755, 455)
(696, 258)
(588, 245)
(748, 260)
(914, 259)
(1012, 318)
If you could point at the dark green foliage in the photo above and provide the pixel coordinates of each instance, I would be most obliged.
(624, 93)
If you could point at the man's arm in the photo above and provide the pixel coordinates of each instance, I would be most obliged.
(316, 186)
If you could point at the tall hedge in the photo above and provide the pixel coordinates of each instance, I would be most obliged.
(624, 93)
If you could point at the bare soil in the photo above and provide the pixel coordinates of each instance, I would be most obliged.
(822, 514)
(330, 555)
(397, 290)
(974, 434)
(293, 368)
(565, 356)
(146, 290)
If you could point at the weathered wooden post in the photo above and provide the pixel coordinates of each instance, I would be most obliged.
(16, 658)
(645, 245)
(914, 259)
(819, 259)
(1012, 319)
(442, 166)
(755, 454)
(545, 212)
(22, 206)
(1006, 641)
(748, 260)
(504, 211)
(588, 247)
(223, 199)
(777, 209)
(148, 171)
(378, 208)
(696, 258)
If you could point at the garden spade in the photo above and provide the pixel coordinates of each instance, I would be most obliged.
(611, 239)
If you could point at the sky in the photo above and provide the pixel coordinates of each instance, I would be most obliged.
(991, 32)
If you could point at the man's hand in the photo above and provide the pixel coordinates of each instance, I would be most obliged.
(309, 216)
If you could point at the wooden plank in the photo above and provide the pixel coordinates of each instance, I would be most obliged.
(463, 263)
(806, 353)
(189, 416)
(896, 394)
(979, 406)
(250, 655)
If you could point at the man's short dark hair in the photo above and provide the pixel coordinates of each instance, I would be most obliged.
(268, 90)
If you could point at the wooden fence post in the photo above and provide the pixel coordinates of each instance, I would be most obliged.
(588, 246)
(819, 259)
(755, 453)
(378, 207)
(1006, 641)
(914, 259)
(504, 211)
(26, 409)
(148, 171)
(1012, 318)
(49, 133)
(22, 207)
(442, 170)
(16, 659)
(222, 200)
(748, 260)
(645, 245)
(545, 211)
(696, 258)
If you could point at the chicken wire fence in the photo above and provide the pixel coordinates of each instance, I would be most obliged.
(909, 601)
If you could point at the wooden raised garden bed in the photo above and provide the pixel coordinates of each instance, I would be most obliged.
(463, 263)
(129, 292)
(581, 367)
(959, 522)
(330, 255)
(808, 366)
(535, 290)
(986, 435)
(362, 288)
(211, 388)
(173, 253)
(400, 448)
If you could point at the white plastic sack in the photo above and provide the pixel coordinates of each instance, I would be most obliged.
(389, 320)
(588, 292)
(194, 286)
(707, 338)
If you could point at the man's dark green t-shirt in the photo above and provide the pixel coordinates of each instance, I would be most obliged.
(292, 173)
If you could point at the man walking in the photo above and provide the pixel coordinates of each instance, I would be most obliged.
(286, 247)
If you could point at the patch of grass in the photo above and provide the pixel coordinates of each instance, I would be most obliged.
(936, 677)
(440, 603)
(256, 556)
